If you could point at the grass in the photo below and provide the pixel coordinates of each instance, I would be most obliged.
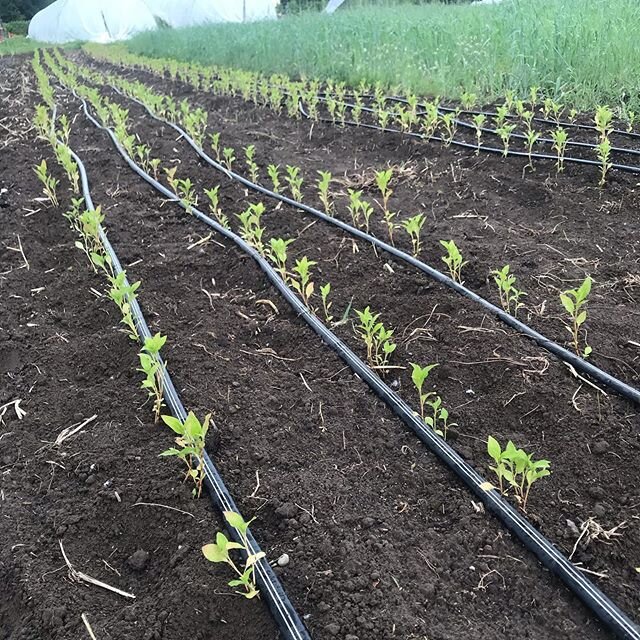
(18, 44)
(582, 52)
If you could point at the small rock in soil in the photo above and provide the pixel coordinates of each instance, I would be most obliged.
(138, 560)
(600, 447)
(283, 560)
(367, 522)
(599, 509)
(332, 629)
(287, 510)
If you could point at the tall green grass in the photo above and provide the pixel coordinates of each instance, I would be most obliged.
(583, 52)
(14, 46)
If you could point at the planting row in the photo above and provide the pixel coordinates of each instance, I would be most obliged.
(514, 126)
(303, 289)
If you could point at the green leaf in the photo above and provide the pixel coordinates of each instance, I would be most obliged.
(493, 448)
(567, 303)
(174, 424)
(214, 553)
(236, 521)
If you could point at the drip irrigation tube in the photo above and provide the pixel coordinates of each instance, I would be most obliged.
(278, 602)
(599, 604)
(563, 354)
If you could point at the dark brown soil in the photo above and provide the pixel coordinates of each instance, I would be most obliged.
(383, 542)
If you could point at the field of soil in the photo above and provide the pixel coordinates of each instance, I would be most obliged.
(383, 541)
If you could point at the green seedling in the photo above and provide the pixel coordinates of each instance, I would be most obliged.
(376, 338)
(278, 254)
(249, 154)
(560, 137)
(229, 157)
(355, 205)
(218, 552)
(419, 376)
(153, 368)
(532, 137)
(171, 178)
(603, 149)
(383, 118)
(453, 260)
(413, 226)
(154, 165)
(185, 190)
(509, 295)
(502, 113)
(438, 416)
(516, 469)
(430, 119)
(479, 121)
(215, 144)
(468, 100)
(603, 120)
(123, 294)
(382, 181)
(304, 286)
(273, 170)
(574, 301)
(323, 191)
(294, 180)
(251, 229)
(367, 211)
(191, 435)
(214, 206)
(63, 153)
(325, 290)
(48, 181)
(65, 129)
(504, 132)
(450, 126)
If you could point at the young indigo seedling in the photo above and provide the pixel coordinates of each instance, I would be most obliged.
(250, 153)
(191, 441)
(509, 295)
(215, 144)
(229, 157)
(479, 122)
(453, 260)
(325, 290)
(152, 367)
(323, 191)
(278, 254)
(517, 468)
(376, 338)
(294, 180)
(413, 226)
(574, 301)
(273, 170)
(603, 149)
(560, 138)
(213, 195)
(48, 181)
(218, 551)
(304, 286)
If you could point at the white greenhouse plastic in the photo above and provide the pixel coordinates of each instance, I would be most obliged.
(188, 13)
(112, 20)
(93, 20)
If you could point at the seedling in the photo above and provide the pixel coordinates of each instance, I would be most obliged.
(479, 122)
(48, 181)
(228, 156)
(294, 180)
(191, 441)
(560, 138)
(171, 178)
(453, 260)
(215, 144)
(413, 226)
(273, 170)
(419, 376)
(517, 469)
(251, 226)
(509, 295)
(603, 149)
(186, 192)
(65, 128)
(450, 126)
(325, 290)
(603, 119)
(249, 153)
(278, 254)
(532, 137)
(218, 551)
(355, 205)
(153, 368)
(63, 153)
(505, 132)
(574, 301)
(367, 211)
(213, 195)
(430, 119)
(323, 191)
(304, 286)
(376, 338)
(123, 294)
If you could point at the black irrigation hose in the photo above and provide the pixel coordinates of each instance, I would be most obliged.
(565, 355)
(599, 604)
(278, 602)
